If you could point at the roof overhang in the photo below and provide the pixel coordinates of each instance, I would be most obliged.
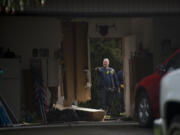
(105, 8)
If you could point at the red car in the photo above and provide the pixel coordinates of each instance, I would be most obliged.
(147, 91)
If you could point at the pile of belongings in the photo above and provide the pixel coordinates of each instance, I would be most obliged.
(74, 113)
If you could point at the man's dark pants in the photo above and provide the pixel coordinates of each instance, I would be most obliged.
(105, 98)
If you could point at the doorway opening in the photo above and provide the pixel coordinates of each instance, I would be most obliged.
(101, 48)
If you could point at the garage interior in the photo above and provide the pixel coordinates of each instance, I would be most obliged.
(57, 49)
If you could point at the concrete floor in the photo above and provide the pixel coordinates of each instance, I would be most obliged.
(86, 128)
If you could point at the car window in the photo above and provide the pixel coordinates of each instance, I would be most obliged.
(174, 63)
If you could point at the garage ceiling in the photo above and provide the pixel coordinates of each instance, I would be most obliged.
(106, 8)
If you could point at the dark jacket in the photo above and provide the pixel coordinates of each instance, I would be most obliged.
(107, 78)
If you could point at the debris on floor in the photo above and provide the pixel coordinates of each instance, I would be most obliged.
(74, 113)
(57, 114)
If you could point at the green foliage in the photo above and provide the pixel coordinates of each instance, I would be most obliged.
(10, 6)
(104, 48)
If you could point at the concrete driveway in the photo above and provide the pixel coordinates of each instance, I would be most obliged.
(80, 128)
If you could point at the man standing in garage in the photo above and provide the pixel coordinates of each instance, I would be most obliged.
(107, 84)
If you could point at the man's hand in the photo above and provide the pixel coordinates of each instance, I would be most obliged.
(118, 90)
(122, 85)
